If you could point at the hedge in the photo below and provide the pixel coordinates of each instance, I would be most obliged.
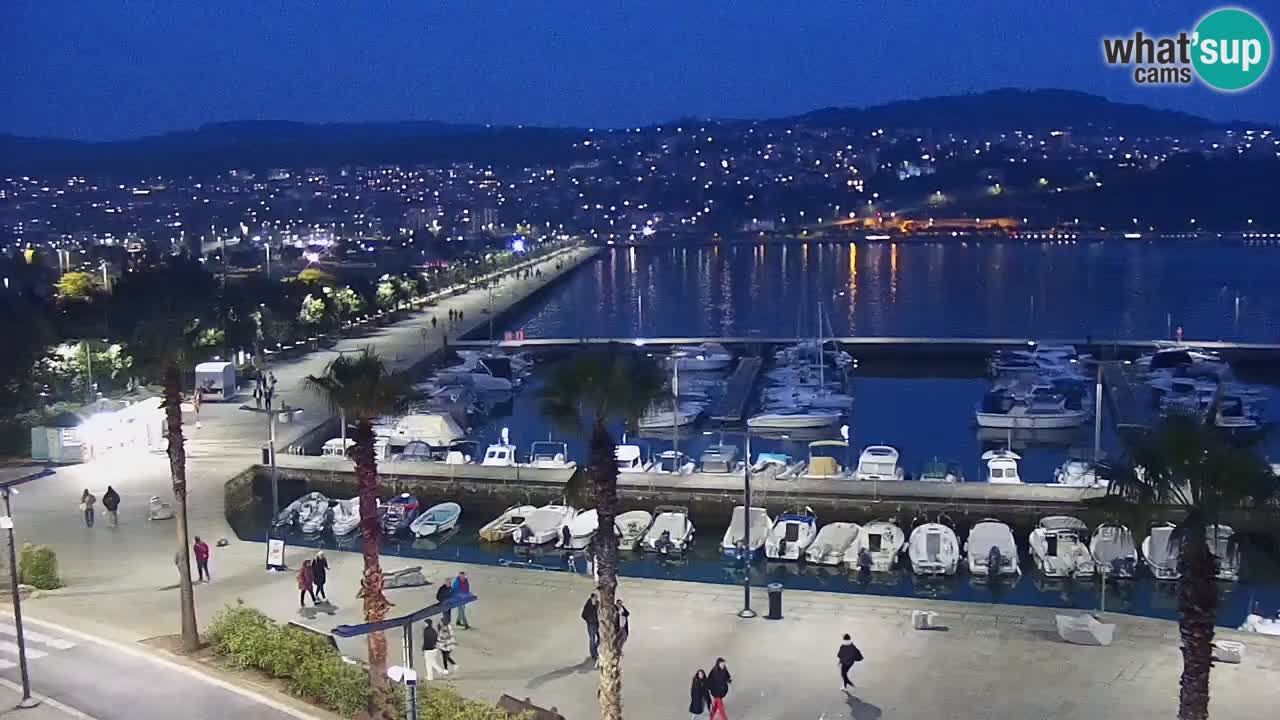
(314, 671)
(38, 567)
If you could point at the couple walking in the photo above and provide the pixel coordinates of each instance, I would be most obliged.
(708, 691)
(591, 616)
(438, 644)
(110, 501)
(311, 579)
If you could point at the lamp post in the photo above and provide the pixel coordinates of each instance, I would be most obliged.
(7, 489)
(746, 612)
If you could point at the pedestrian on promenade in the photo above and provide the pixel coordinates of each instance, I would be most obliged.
(447, 642)
(699, 697)
(306, 584)
(847, 655)
(444, 592)
(459, 316)
(623, 624)
(591, 616)
(257, 395)
(320, 574)
(461, 585)
(111, 501)
(86, 506)
(431, 653)
(201, 550)
(433, 322)
(718, 681)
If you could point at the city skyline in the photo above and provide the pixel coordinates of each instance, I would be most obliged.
(115, 73)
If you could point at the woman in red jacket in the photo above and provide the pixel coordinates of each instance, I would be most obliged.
(306, 584)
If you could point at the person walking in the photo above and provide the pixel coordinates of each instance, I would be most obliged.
(111, 501)
(201, 550)
(718, 681)
(443, 593)
(462, 586)
(623, 624)
(431, 652)
(320, 574)
(86, 506)
(591, 616)
(847, 655)
(447, 642)
(699, 696)
(306, 584)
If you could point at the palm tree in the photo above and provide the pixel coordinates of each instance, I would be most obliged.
(582, 396)
(361, 388)
(1188, 470)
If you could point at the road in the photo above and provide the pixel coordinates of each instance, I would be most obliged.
(83, 677)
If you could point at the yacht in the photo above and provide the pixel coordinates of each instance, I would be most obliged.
(877, 547)
(501, 527)
(697, 358)
(631, 527)
(825, 460)
(734, 546)
(992, 550)
(1186, 359)
(437, 520)
(720, 460)
(1002, 467)
(831, 543)
(1044, 411)
(672, 462)
(878, 462)
(791, 535)
(543, 525)
(1163, 552)
(793, 419)
(671, 532)
(485, 374)
(629, 459)
(549, 455)
(934, 549)
(1077, 473)
(939, 471)
(661, 418)
(1226, 550)
(1059, 547)
(1113, 550)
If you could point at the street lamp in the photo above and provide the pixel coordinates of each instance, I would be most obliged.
(746, 612)
(7, 489)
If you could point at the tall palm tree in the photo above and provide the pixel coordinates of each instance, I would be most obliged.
(1189, 471)
(361, 388)
(160, 312)
(582, 396)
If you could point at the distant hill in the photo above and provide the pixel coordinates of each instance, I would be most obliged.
(279, 143)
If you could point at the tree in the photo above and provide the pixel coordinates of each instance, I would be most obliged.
(161, 313)
(314, 311)
(76, 286)
(1188, 469)
(348, 303)
(582, 396)
(361, 388)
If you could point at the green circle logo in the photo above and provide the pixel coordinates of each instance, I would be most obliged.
(1232, 49)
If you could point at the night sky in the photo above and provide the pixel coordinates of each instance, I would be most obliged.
(104, 70)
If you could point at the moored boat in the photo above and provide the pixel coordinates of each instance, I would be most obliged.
(1162, 550)
(934, 549)
(791, 535)
(631, 527)
(831, 543)
(734, 545)
(1113, 550)
(992, 550)
(877, 547)
(543, 525)
(1059, 547)
(878, 462)
(671, 532)
(437, 520)
(501, 527)
(398, 513)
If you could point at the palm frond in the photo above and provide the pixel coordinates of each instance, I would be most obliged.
(608, 384)
(360, 385)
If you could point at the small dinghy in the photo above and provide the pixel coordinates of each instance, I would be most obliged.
(398, 513)
(1113, 550)
(1163, 553)
(1225, 550)
(934, 549)
(831, 543)
(346, 515)
(1059, 548)
(543, 525)
(791, 535)
(631, 527)
(877, 547)
(671, 532)
(734, 546)
(438, 519)
(306, 513)
(992, 550)
(501, 527)
(581, 529)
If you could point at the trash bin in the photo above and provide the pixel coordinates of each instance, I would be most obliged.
(775, 602)
(266, 456)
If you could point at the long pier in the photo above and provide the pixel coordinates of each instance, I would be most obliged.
(733, 404)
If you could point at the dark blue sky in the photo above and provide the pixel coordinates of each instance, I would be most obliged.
(101, 69)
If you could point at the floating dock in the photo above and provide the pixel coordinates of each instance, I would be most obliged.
(733, 404)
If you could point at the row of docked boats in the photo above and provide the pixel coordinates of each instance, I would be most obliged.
(1187, 379)
(315, 513)
(667, 530)
(1038, 388)
(806, 389)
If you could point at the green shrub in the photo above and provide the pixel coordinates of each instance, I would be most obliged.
(38, 567)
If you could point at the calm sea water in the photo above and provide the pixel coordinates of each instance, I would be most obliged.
(1216, 290)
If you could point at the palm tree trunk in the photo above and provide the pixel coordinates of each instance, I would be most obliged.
(178, 472)
(1198, 611)
(375, 602)
(604, 479)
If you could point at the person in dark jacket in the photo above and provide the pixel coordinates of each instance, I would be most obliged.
(591, 616)
(847, 656)
(699, 697)
(111, 501)
(623, 623)
(431, 652)
(201, 550)
(718, 686)
(320, 574)
(443, 593)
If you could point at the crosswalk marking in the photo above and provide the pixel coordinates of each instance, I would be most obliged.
(12, 649)
(39, 637)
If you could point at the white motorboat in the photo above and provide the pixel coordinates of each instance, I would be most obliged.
(630, 460)
(437, 520)
(826, 460)
(671, 462)
(791, 535)
(804, 397)
(661, 418)
(734, 546)
(307, 512)
(1113, 550)
(434, 429)
(346, 515)
(1060, 549)
(793, 419)
(878, 462)
(631, 527)
(1188, 359)
(543, 525)
(1002, 467)
(698, 358)
(1225, 550)
(939, 471)
(934, 549)
(501, 527)
(992, 550)
(1233, 414)
(671, 532)
(581, 529)
(1048, 412)
(877, 547)
(499, 455)
(1163, 552)
(1257, 624)
(550, 455)
(1077, 473)
(831, 543)
(484, 373)
(720, 460)
(337, 447)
